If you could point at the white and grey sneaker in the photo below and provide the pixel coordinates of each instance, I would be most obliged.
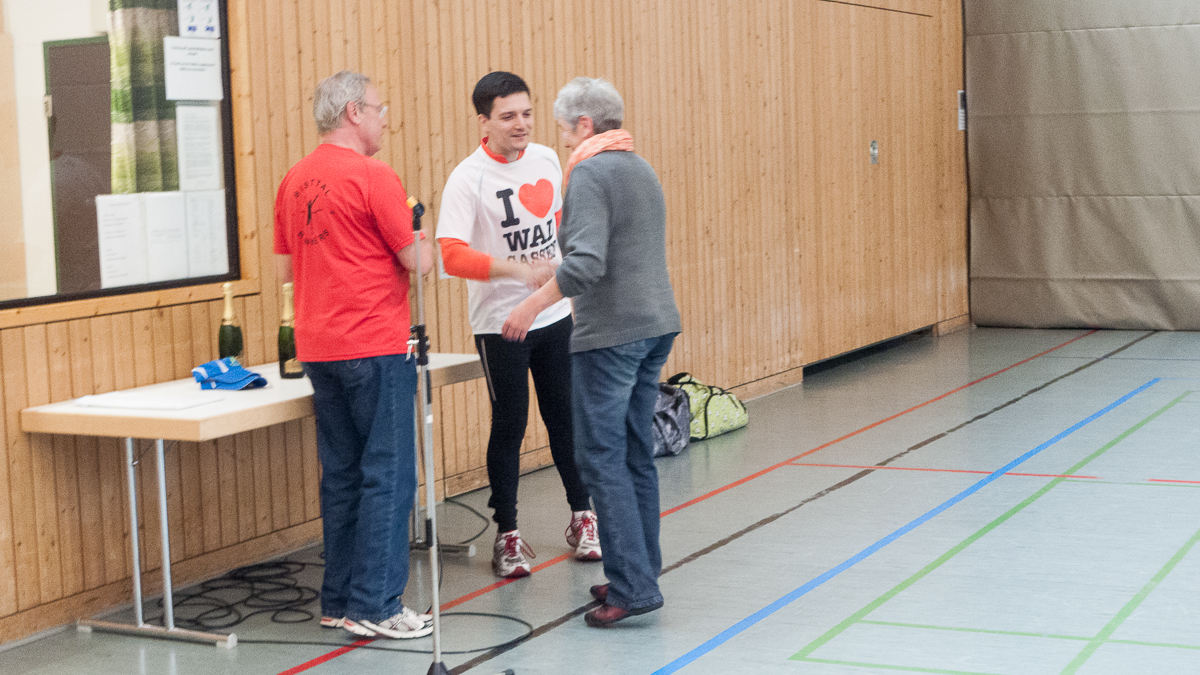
(405, 625)
(583, 536)
(355, 627)
(508, 556)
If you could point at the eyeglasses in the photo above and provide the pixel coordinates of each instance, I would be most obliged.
(382, 108)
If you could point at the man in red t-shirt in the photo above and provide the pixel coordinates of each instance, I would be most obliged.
(343, 232)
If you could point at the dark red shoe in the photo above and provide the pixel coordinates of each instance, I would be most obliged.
(606, 615)
(599, 592)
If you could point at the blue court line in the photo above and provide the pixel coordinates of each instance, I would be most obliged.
(727, 634)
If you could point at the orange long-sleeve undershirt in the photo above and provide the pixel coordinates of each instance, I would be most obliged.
(460, 260)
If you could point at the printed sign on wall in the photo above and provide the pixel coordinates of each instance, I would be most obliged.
(199, 18)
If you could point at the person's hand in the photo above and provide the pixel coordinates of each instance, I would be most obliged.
(539, 273)
(516, 326)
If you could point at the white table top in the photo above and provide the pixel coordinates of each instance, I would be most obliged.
(237, 411)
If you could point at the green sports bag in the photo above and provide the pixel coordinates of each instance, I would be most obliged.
(714, 410)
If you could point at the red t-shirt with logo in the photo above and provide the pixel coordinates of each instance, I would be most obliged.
(342, 216)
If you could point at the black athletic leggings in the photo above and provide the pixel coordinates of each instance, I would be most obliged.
(546, 354)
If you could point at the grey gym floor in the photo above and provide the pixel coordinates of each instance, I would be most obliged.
(991, 501)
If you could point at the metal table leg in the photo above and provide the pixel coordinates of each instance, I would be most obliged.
(168, 631)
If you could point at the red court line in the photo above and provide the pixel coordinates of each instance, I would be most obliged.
(785, 462)
(327, 657)
(487, 589)
(909, 468)
(1164, 480)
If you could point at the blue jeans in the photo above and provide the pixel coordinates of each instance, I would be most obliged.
(364, 411)
(614, 390)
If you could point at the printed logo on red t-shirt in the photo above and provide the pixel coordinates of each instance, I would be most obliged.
(311, 198)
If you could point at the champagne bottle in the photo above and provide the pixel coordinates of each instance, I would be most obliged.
(289, 367)
(229, 336)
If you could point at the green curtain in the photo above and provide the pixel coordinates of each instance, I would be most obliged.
(144, 151)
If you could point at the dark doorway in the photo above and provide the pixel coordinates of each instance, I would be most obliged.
(78, 82)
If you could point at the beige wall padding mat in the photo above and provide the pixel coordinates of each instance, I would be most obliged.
(1084, 151)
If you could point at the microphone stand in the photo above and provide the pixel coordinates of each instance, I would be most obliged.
(420, 341)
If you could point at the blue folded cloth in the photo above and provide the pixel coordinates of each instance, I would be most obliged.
(226, 373)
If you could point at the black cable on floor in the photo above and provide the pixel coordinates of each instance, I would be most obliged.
(265, 588)
(272, 588)
(504, 645)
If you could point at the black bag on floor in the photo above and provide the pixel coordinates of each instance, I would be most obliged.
(672, 421)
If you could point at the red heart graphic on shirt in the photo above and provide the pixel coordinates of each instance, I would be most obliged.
(537, 198)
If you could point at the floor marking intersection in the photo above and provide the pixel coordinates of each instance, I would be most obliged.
(804, 654)
(782, 602)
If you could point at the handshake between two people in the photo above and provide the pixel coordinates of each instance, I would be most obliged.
(539, 276)
(536, 274)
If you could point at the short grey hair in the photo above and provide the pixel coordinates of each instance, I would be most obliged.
(591, 97)
(332, 95)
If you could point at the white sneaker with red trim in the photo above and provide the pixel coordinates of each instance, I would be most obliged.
(583, 536)
(508, 556)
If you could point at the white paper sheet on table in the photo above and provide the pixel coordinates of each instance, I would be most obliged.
(146, 401)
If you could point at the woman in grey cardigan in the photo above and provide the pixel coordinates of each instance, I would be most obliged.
(614, 267)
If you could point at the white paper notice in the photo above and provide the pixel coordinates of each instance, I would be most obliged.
(198, 18)
(198, 130)
(166, 236)
(122, 233)
(208, 254)
(193, 69)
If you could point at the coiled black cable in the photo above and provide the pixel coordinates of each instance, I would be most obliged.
(272, 588)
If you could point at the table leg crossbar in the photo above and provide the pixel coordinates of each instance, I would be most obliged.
(168, 629)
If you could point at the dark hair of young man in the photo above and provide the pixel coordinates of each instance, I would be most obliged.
(492, 86)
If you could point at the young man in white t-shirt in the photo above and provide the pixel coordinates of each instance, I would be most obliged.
(498, 228)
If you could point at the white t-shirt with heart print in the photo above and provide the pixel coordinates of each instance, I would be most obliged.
(508, 211)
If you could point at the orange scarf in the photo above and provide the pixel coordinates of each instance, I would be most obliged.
(617, 139)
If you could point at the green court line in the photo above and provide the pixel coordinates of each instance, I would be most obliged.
(1048, 636)
(1129, 607)
(883, 599)
(977, 630)
(1162, 645)
(883, 666)
(1080, 481)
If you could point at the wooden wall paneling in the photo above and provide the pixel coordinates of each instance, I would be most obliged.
(122, 355)
(312, 469)
(306, 56)
(259, 441)
(65, 463)
(952, 201)
(227, 485)
(20, 471)
(173, 459)
(353, 37)
(880, 299)
(242, 105)
(277, 442)
(191, 500)
(254, 332)
(297, 488)
(367, 45)
(166, 369)
(244, 457)
(11, 361)
(41, 455)
(181, 342)
(147, 485)
(210, 495)
(322, 42)
(257, 120)
(337, 37)
(114, 506)
(83, 359)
